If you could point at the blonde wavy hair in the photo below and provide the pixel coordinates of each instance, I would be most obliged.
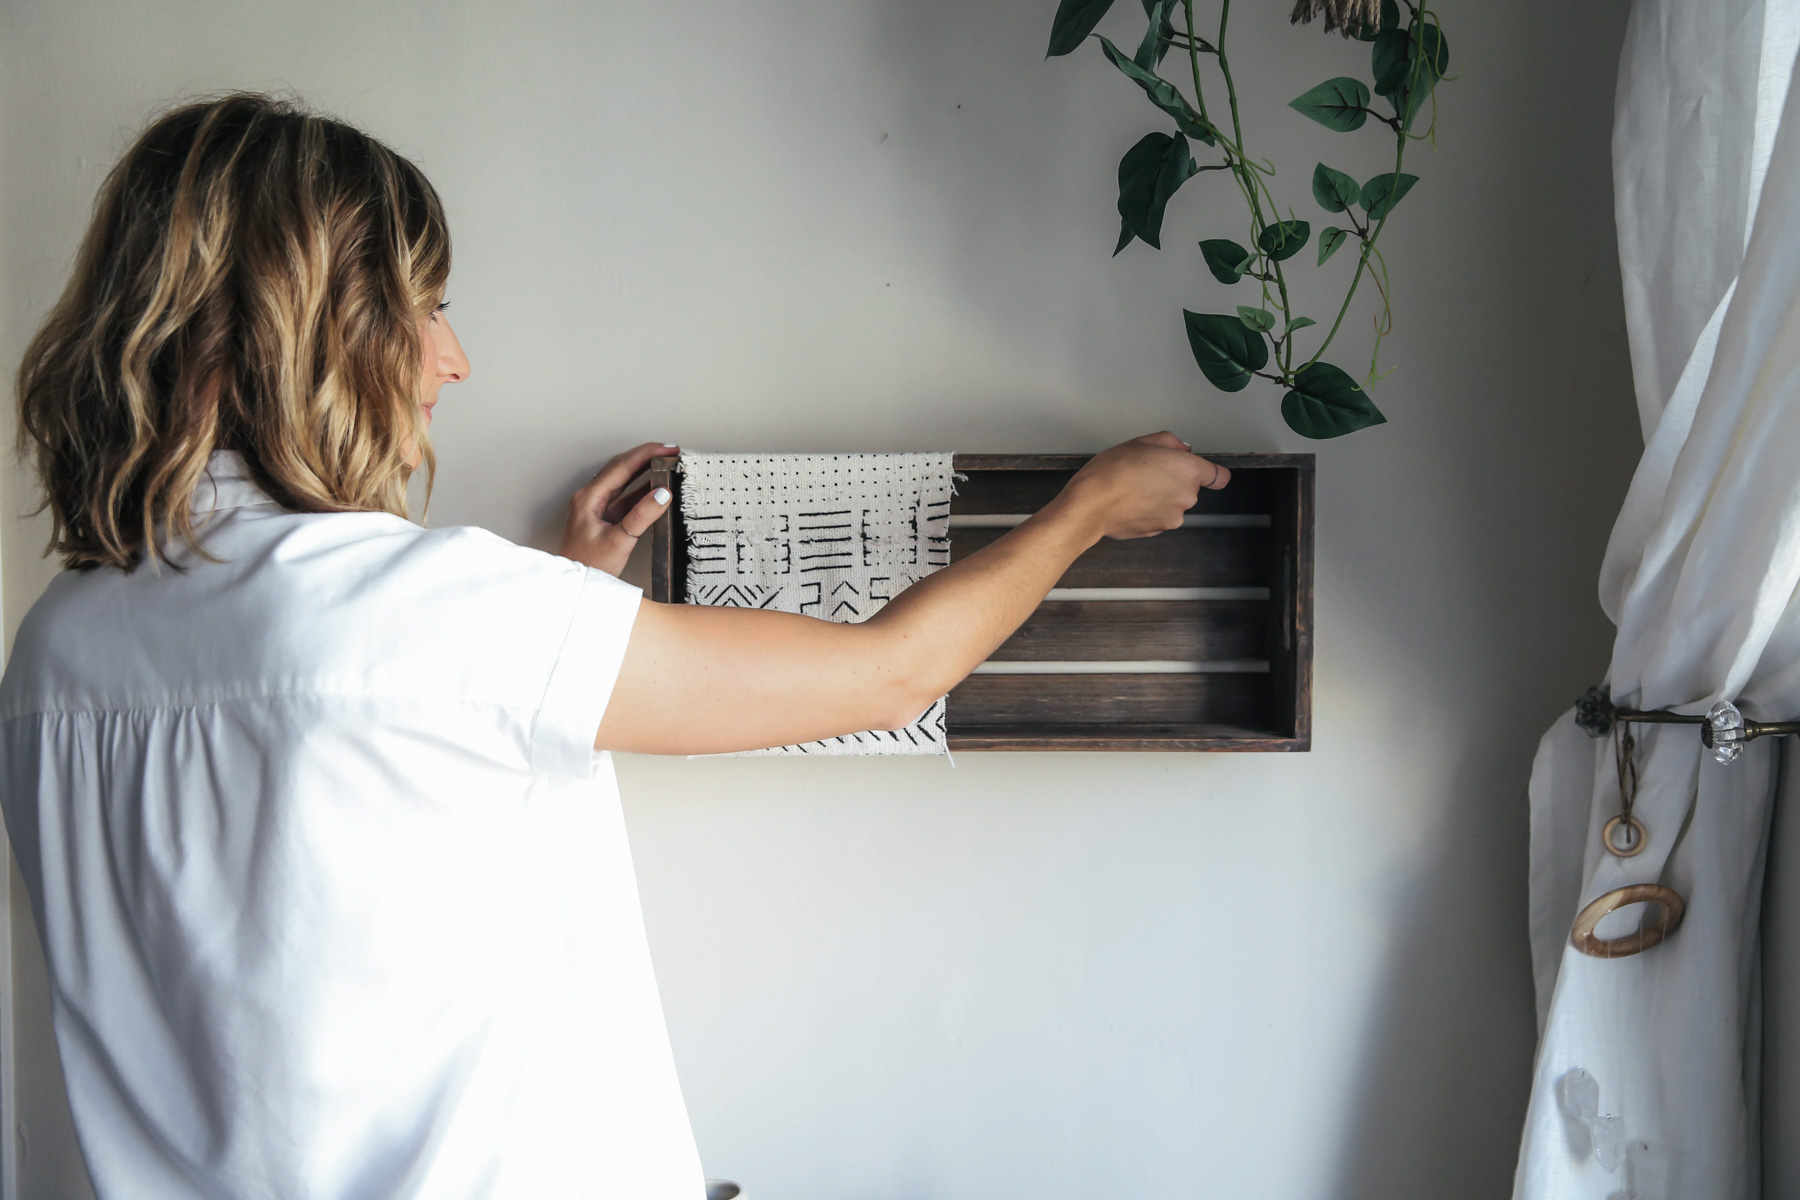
(253, 279)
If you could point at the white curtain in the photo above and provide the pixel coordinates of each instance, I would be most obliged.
(1646, 1083)
(1696, 115)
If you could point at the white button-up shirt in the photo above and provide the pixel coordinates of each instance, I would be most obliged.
(334, 889)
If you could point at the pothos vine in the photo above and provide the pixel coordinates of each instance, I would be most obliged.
(1408, 58)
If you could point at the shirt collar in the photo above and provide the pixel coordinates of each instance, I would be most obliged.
(227, 484)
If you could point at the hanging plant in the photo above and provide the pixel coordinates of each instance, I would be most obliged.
(1408, 58)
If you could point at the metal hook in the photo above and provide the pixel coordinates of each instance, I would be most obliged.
(1723, 730)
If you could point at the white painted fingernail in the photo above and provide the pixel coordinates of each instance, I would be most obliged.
(660, 495)
(669, 446)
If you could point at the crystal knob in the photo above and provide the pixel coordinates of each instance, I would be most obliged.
(1725, 732)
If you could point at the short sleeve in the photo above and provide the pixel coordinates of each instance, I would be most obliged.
(581, 682)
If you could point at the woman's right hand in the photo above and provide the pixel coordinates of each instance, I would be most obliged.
(1141, 487)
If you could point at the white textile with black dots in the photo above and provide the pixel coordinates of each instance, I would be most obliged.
(828, 535)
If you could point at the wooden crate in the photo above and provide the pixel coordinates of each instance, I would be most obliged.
(1219, 619)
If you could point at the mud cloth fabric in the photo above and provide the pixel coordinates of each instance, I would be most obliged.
(828, 535)
(335, 892)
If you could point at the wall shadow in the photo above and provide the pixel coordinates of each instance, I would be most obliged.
(1514, 417)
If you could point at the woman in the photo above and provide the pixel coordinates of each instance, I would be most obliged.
(334, 888)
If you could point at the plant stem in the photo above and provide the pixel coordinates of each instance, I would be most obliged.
(1246, 172)
(1368, 245)
(1194, 44)
(1384, 324)
(1187, 9)
(1368, 242)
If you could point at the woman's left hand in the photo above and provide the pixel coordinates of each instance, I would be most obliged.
(605, 521)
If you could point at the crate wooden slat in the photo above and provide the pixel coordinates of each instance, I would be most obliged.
(1179, 558)
(1003, 704)
(1089, 631)
(1225, 699)
(1021, 483)
(1117, 735)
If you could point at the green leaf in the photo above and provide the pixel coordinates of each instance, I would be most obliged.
(1330, 238)
(1261, 320)
(1341, 104)
(1407, 69)
(1074, 20)
(1162, 93)
(1155, 45)
(1397, 56)
(1326, 403)
(1284, 239)
(1334, 190)
(1148, 175)
(1225, 259)
(1381, 193)
(1298, 323)
(1227, 352)
(1387, 60)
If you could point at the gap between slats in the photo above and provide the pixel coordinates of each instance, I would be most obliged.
(1190, 521)
(1159, 593)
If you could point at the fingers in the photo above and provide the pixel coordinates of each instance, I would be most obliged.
(620, 470)
(1217, 478)
(607, 546)
(645, 513)
(617, 506)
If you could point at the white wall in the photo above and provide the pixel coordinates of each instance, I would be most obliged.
(856, 224)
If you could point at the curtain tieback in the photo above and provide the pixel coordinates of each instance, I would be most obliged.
(1668, 900)
(1723, 730)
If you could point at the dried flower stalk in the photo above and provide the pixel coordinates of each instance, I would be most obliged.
(1341, 16)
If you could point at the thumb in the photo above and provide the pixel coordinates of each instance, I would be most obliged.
(645, 513)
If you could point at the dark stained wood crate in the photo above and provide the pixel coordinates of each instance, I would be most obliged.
(1233, 649)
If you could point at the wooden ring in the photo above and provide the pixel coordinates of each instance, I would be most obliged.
(1674, 908)
(1639, 836)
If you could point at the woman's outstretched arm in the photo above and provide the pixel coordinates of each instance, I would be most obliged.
(703, 680)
